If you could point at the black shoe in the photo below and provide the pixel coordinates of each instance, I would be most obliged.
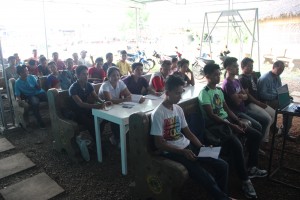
(291, 137)
(42, 125)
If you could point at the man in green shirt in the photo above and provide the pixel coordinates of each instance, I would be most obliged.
(218, 114)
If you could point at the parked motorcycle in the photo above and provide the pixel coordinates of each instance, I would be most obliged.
(160, 58)
(141, 57)
(198, 66)
(200, 62)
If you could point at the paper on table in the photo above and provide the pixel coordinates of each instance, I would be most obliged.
(129, 103)
(136, 98)
(212, 152)
(152, 97)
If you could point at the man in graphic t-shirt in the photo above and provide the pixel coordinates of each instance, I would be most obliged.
(167, 123)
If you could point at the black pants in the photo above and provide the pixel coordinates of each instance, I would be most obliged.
(233, 148)
(216, 185)
(85, 118)
(253, 139)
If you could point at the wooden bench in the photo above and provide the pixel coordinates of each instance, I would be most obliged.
(63, 128)
(22, 111)
(156, 177)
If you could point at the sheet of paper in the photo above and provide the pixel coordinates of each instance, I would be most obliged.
(212, 152)
(283, 89)
(136, 98)
(128, 104)
(153, 97)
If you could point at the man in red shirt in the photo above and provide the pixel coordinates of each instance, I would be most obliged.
(157, 80)
(96, 73)
(32, 68)
(59, 64)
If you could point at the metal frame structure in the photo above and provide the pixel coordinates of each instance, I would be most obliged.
(234, 20)
(4, 124)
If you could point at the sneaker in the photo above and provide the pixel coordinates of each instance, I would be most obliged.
(249, 190)
(113, 140)
(261, 152)
(83, 148)
(255, 172)
(42, 126)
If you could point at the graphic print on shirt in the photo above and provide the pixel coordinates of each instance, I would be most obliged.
(238, 89)
(172, 129)
(217, 104)
(254, 87)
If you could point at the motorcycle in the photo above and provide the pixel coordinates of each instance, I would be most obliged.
(200, 62)
(160, 58)
(148, 63)
(198, 66)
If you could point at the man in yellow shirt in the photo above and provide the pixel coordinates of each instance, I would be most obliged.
(123, 65)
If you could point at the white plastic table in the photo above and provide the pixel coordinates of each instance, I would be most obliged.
(120, 116)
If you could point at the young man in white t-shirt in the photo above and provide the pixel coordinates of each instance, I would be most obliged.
(173, 136)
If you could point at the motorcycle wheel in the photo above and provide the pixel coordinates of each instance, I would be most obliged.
(151, 63)
(146, 67)
(197, 71)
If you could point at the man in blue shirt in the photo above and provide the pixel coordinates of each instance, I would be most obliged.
(27, 86)
(267, 89)
(268, 83)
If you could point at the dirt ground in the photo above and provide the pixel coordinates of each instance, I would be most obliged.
(93, 180)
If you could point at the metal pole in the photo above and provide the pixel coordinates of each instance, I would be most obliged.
(136, 25)
(205, 18)
(45, 28)
(258, 47)
(1, 102)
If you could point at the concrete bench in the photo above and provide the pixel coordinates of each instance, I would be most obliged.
(156, 177)
(22, 111)
(64, 128)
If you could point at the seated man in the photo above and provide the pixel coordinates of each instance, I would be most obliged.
(60, 65)
(236, 96)
(174, 67)
(32, 67)
(157, 80)
(67, 77)
(137, 84)
(52, 79)
(257, 108)
(81, 92)
(27, 86)
(11, 70)
(183, 70)
(223, 126)
(123, 65)
(96, 73)
(43, 67)
(109, 62)
(83, 60)
(267, 90)
(167, 123)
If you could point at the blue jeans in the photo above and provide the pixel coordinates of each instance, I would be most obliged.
(217, 185)
(34, 102)
(264, 116)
